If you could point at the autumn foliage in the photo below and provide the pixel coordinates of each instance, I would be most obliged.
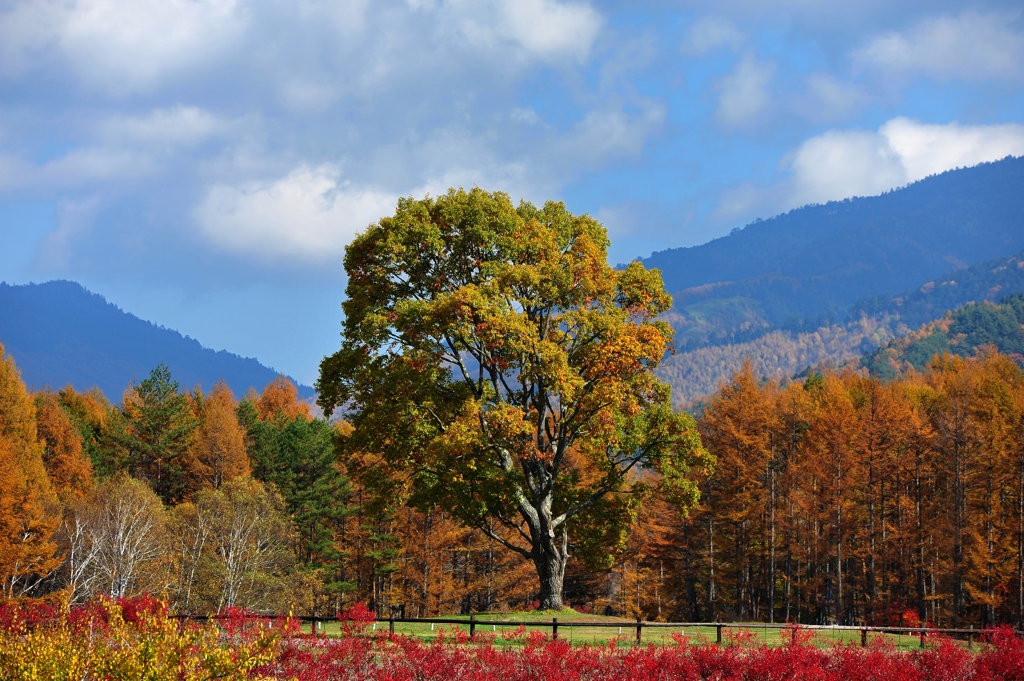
(66, 463)
(135, 638)
(840, 498)
(218, 450)
(29, 511)
(453, 655)
(280, 400)
(124, 639)
(831, 497)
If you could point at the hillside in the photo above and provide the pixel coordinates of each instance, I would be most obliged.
(873, 322)
(777, 355)
(804, 269)
(60, 333)
(990, 280)
(960, 332)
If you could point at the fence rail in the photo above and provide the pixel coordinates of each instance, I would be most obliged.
(639, 625)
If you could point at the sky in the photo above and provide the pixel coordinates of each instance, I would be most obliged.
(203, 163)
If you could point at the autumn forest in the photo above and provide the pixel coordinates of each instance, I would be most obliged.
(835, 498)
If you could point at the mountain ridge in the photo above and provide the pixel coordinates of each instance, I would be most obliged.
(962, 331)
(59, 332)
(874, 323)
(804, 269)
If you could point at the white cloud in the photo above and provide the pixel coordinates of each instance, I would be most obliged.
(744, 92)
(74, 220)
(308, 215)
(125, 148)
(608, 134)
(302, 94)
(844, 163)
(92, 164)
(78, 168)
(12, 172)
(347, 16)
(121, 46)
(928, 149)
(969, 47)
(179, 125)
(553, 31)
(709, 33)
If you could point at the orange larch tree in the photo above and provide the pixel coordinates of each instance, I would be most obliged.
(740, 427)
(218, 449)
(67, 465)
(29, 510)
(281, 397)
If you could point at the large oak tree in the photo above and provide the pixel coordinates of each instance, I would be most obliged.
(493, 364)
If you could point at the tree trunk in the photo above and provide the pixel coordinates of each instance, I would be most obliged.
(550, 559)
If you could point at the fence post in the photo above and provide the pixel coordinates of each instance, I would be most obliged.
(970, 639)
(472, 625)
(391, 624)
(864, 637)
(719, 628)
(922, 638)
(639, 628)
(554, 627)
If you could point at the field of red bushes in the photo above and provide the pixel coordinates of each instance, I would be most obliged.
(380, 658)
(105, 639)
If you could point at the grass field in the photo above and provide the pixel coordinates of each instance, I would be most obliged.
(624, 633)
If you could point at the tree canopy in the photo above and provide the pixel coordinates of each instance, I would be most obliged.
(493, 364)
(154, 431)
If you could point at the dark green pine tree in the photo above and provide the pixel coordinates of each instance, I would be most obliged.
(383, 552)
(151, 433)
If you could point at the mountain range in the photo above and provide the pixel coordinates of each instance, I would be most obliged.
(806, 268)
(872, 323)
(819, 285)
(60, 333)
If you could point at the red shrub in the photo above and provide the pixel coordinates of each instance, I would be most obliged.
(452, 656)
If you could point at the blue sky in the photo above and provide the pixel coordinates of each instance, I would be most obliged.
(202, 163)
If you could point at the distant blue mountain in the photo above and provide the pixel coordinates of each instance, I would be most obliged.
(60, 333)
(807, 267)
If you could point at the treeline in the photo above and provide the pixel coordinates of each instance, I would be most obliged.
(837, 498)
(845, 499)
(960, 332)
(989, 281)
(696, 374)
(212, 502)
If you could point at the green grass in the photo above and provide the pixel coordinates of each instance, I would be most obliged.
(753, 634)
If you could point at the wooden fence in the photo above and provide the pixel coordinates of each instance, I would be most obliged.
(639, 625)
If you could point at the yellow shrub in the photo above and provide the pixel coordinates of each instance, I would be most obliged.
(154, 648)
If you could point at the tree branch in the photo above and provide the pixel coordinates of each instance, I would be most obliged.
(504, 542)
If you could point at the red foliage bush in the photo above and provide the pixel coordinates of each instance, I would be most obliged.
(359, 655)
(31, 613)
(381, 657)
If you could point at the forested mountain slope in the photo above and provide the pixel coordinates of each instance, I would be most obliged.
(804, 269)
(776, 356)
(960, 332)
(990, 280)
(60, 333)
(873, 322)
